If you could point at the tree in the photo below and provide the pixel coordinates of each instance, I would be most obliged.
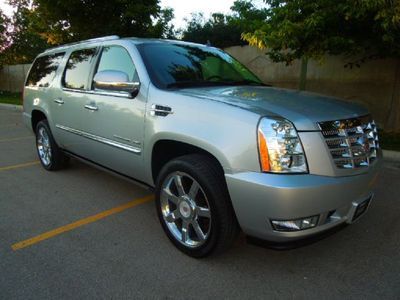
(164, 28)
(302, 28)
(75, 20)
(224, 30)
(360, 29)
(4, 30)
(217, 30)
(40, 24)
(25, 41)
(247, 16)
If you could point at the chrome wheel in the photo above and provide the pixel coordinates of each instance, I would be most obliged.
(185, 209)
(43, 146)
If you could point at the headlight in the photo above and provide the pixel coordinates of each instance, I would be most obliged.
(280, 147)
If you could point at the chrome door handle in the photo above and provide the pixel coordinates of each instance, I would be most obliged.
(59, 101)
(91, 107)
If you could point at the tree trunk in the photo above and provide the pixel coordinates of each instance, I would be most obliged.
(303, 74)
(393, 120)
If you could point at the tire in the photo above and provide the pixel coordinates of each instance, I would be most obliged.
(182, 211)
(50, 155)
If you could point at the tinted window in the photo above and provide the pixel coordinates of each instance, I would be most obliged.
(118, 59)
(176, 65)
(43, 70)
(78, 68)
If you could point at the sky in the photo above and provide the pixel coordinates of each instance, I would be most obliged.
(182, 8)
(7, 9)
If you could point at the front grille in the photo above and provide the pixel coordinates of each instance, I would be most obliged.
(353, 143)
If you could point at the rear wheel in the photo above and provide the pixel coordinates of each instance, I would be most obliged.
(193, 206)
(51, 157)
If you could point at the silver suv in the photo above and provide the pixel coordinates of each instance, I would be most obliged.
(222, 150)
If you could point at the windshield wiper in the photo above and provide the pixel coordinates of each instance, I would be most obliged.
(203, 83)
(246, 82)
(196, 83)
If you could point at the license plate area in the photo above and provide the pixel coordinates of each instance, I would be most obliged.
(361, 209)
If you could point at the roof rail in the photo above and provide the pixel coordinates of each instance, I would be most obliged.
(99, 39)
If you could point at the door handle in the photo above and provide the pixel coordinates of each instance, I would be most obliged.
(59, 101)
(91, 107)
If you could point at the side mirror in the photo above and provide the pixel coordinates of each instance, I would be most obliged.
(118, 81)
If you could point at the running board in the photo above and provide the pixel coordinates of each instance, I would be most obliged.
(110, 171)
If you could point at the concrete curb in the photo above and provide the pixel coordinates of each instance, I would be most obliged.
(11, 107)
(391, 155)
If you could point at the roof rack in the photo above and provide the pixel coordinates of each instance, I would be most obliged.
(99, 39)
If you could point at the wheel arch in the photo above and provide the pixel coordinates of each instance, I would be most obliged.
(37, 116)
(166, 149)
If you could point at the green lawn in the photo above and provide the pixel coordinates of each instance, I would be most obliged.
(10, 98)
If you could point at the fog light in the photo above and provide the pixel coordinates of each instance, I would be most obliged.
(295, 225)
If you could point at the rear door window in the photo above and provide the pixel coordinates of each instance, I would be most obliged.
(44, 70)
(78, 68)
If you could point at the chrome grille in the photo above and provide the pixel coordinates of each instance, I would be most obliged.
(353, 143)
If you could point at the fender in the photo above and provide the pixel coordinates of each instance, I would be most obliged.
(222, 130)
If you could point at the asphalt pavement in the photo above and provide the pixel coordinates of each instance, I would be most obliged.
(118, 250)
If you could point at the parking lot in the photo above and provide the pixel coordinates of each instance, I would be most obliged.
(82, 233)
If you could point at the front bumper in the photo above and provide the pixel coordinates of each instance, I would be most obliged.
(258, 198)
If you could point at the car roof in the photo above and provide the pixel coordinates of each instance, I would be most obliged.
(138, 41)
(134, 40)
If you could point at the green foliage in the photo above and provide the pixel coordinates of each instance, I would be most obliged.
(224, 30)
(215, 30)
(4, 25)
(40, 24)
(247, 16)
(164, 28)
(303, 28)
(84, 19)
(24, 41)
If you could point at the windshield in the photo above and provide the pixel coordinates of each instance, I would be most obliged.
(180, 65)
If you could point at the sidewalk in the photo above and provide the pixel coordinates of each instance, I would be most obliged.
(10, 107)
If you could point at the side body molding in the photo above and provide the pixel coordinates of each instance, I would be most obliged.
(100, 139)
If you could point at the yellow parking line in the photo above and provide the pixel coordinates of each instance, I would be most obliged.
(79, 223)
(19, 166)
(16, 139)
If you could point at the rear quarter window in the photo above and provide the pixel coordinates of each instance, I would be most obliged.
(44, 70)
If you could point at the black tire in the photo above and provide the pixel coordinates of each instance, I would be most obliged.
(57, 159)
(224, 226)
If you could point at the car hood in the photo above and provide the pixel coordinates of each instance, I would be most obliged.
(304, 109)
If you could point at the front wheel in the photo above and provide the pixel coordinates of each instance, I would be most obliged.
(193, 206)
